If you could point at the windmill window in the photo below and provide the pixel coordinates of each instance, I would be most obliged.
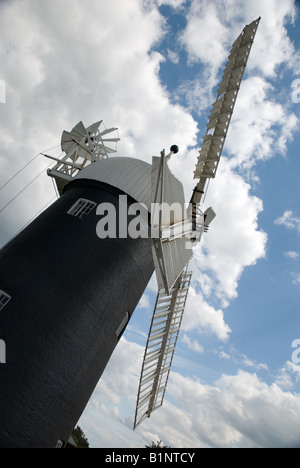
(60, 444)
(4, 299)
(82, 208)
(122, 325)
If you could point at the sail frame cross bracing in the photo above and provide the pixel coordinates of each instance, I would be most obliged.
(222, 110)
(160, 349)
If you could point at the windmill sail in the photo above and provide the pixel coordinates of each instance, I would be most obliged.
(170, 252)
(160, 349)
(222, 110)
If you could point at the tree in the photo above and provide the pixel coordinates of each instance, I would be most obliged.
(156, 445)
(80, 438)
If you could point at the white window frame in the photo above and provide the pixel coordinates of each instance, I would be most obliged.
(60, 444)
(82, 208)
(122, 325)
(4, 299)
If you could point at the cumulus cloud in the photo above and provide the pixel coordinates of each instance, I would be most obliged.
(296, 278)
(144, 302)
(229, 250)
(58, 71)
(193, 345)
(260, 127)
(293, 255)
(204, 318)
(221, 22)
(288, 375)
(249, 363)
(239, 411)
(211, 49)
(257, 112)
(109, 69)
(173, 3)
(126, 364)
(289, 220)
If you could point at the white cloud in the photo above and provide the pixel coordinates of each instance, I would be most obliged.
(222, 355)
(296, 280)
(206, 40)
(289, 220)
(72, 70)
(292, 255)
(126, 369)
(260, 126)
(204, 34)
(58, 71)
(249, 363)
(273, 46)
(197, 93)
(144, 301)
(229, 250)
(193, 345)
(173, 3)
(173, 56)
(288, 376)
(253, 132)
(201, 316)
(220, 22)
(239, 411)
(235, 411)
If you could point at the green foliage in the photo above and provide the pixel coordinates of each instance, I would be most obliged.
(80, 438)
(156, 445)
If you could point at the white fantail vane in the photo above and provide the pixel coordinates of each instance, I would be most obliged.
(81, 146)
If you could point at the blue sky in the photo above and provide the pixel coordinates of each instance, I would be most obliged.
(152, 68)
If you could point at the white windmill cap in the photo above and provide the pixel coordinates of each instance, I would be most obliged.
(130, 175)
(135, 178)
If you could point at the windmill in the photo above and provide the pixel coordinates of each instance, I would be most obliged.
(171, 253)
(67, 293)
